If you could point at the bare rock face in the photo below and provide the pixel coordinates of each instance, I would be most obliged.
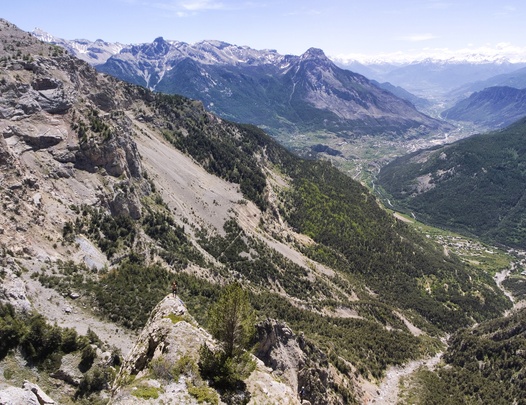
(42, 397)
(162, 336)
(300, 363)
(51, 96)
(13, 289)
(279, 349)
(34, 138)
(44, 94)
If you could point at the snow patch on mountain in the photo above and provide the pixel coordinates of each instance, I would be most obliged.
(94, 52)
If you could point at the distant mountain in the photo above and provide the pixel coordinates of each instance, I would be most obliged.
(398, 91)
(93, 52)
(476, 185)
(432, 78)
(281, 93)
(516, 79)
(494, 107)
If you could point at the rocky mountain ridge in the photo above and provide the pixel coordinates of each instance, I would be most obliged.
(93, 52)
(260, 87)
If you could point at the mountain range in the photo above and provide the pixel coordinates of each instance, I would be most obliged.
(435, 79)
(280, 93)
(111, 192)
(300, 99)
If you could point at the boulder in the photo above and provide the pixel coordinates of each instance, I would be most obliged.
(69, 371)
(51, 96)
(54, 101)
(42, 141)
(43, 398)
(17, 396)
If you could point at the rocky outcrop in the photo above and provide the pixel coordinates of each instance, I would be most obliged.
(69, 371)
(169, 328)
(35, 139)
(172, 333)
(42, 397)
(15, 396)
(45, 94)
(294, 359)
(43, 100)
(279, 349)
(12, 288)
(51, 96)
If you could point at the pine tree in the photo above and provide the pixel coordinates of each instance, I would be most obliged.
(232, 319)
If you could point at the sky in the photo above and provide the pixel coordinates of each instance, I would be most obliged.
(342, 28)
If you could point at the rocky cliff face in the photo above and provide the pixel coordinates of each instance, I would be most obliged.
(300, 364)
(53, 150)
(172, 338)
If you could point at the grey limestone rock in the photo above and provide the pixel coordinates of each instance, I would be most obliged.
(17, 396)
(42, 397)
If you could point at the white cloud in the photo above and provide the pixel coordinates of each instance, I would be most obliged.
(200, 5)
(185, 8)
(488, 52)
(417, 37)
(506, 11)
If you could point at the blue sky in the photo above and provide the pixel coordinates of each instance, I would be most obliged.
(339, 27)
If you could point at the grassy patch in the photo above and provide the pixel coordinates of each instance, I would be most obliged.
(146, 392)
(203, 393)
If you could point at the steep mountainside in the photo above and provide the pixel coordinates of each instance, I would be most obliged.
(493, 107)
(398, 91)
(110, 192)
(283, 94)
(475, 185)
